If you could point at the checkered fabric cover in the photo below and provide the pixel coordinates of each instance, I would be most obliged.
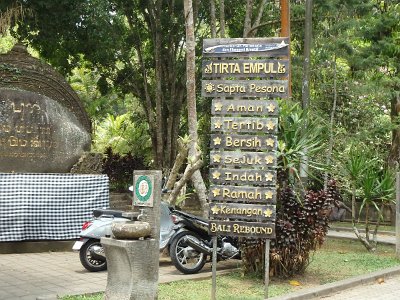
(48, 206)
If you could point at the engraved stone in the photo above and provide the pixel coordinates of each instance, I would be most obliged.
(43, 125)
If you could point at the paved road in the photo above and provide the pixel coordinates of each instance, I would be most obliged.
(387, 290)
(31, 275)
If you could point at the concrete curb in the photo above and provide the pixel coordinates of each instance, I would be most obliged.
(349, 229)
(338, 286)
(199, 276)
(389, 240)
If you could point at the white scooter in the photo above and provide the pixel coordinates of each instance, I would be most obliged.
(91, 252)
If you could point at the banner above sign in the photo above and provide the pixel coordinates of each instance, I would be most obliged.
(245, 47)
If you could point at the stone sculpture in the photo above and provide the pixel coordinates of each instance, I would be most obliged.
(43, 125)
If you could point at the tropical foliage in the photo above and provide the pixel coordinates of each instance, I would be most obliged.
(126, 59)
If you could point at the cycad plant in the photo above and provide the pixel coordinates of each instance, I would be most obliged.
(377, 192)
(300, 135)
(300, 229)
(373, 184)
(302, 216)
(353, 166)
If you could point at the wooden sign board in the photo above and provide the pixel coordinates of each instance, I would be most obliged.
(238, 228)
(244, 88)
(245, 142)
(244, 107)
(246, 47)
(266, 68)
(243, 176)
(243, 159)
(241, 211)
(244, 124)
(249, 194)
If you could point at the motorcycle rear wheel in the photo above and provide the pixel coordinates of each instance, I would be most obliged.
(185, 258)
(88, 262)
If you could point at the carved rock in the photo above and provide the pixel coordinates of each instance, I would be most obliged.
(131, 230)
(43, 125)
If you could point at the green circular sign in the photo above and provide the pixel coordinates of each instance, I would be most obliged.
(143, 188)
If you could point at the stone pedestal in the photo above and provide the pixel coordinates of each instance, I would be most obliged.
(132, 269)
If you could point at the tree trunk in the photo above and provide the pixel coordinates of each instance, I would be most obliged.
(191, 102)
(12, 16)
(179, 161)
(306, 81)
(363, 239)
(254, 27)
(332, 121)
(213, 24)
(163, 100)
(247, 20)
(353, 205)
(147, 102)
(394, 154)
(159, 102)
(222, 18)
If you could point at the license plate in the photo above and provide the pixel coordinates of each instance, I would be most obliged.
(77, 246)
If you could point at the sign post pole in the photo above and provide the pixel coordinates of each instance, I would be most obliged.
(398, 214)
(266, 275)
(214, 269)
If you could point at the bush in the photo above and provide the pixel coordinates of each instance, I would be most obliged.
(120, 169)
(301, 227)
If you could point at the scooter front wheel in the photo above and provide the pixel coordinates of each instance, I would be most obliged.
(185, 258)
(89, 257)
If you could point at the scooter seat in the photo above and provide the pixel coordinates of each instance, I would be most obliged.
(191, 216)
(107, 213)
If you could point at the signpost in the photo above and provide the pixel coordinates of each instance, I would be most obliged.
(244, 76)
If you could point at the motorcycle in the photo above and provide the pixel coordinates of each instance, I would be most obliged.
(192, 244)
(91, 252)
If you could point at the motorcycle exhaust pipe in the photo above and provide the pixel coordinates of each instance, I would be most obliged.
(198, 245)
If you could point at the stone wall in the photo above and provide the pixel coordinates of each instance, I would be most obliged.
(121, 201)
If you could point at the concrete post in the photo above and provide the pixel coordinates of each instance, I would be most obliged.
(132, 269)
(133, 264)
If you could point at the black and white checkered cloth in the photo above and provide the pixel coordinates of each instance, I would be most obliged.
(48, 206)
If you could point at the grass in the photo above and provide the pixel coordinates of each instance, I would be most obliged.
(336, 260)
